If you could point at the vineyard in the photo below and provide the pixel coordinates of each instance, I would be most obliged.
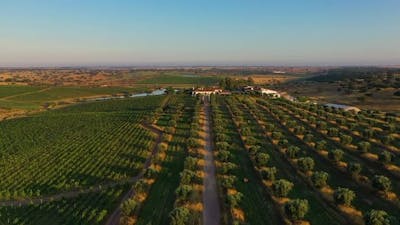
(142, 161)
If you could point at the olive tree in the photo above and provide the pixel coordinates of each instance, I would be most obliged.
(269, 173)
(344, 196)
(354, 168)
(180, 216)
(345, 139)
(305, 164)
(381, 183)
(376, 217)
(262, 159)
(296, 209)
(385, 157)
(282, 187)
(320, 145)
(364, 146)
(292, 151)
(335, 155)
(319, 178)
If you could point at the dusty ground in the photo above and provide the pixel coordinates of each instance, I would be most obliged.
(272, 78)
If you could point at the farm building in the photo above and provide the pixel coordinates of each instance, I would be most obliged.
(206, 91)
(343, 107)
(268, 92)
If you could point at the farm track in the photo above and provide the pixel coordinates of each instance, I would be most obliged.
(211, 212)
(73, 194)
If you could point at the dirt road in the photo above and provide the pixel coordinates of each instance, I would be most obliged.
(211, 210)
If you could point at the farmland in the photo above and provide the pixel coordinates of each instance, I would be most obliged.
(142, 161)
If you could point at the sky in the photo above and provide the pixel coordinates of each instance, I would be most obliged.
(199, 32)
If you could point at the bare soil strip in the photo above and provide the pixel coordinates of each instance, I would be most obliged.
(211, 212)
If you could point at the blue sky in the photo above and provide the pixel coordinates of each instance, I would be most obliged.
(186, 32)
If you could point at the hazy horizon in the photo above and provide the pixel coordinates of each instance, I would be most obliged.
(199, 33)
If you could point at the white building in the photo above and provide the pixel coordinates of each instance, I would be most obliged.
(343, 107)
(269, 92)
(206, 91)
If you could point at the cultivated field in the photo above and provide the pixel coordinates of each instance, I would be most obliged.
(142, 161)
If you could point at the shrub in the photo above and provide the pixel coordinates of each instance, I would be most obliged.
(364, 146)
(319, 178)
(381, 183)
(306, 164)
(192, 142)
(344, 196)
(296, 209)
(180, 216)
(345, 139)
(187, 176)
(277, 135)
(376, 217)
(227, 166)
(234, 199)
(282, 187)
(320, 145)
(190, 163)
(222, 146)
(333, 132)
(253, 150)
(368, 133)
(269, 173)
(335, 155)
(128, 207)
(228, 181)
(223, 155)
(308, 138)
(354, 168)
(385, 157)
(387, 139)
(262, 159)
(283, 143)
(183, 191)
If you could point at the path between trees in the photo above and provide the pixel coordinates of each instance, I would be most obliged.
(76, 193)
(211, 210)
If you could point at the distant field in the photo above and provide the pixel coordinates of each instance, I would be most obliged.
(180, 79)
(17, 99)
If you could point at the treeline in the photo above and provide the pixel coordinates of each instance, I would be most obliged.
(234, 84)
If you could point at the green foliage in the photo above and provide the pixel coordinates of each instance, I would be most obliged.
(282, 187)
(269, 173)
(293, 151)
(336, 155)
(385, 157)
(364, 146)
(344, 196)
(345, 139)
(354, 168)
(305, 164)
(262, 159)
(319, 178)
(180, 216)
(381, 183)
(128, 207)
(296, 209)
(376, 217)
